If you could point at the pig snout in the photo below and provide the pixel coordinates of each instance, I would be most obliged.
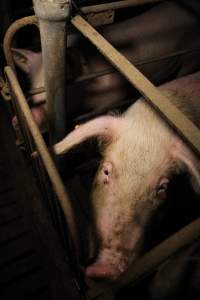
(108, 266)
(39, 115)
(101, 270)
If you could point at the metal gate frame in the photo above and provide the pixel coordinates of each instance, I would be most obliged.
(173, 116)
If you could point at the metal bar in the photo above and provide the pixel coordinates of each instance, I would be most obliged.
(53, 15)
(115, 5)
(153, 258)
(14, 27)
(55, 179)
(31, 20)
(174, 117)
(7, 46)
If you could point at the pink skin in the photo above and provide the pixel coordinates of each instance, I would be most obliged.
(116, 249)
(38, 115)
(120, 242)
(113, 260)
(31, 63)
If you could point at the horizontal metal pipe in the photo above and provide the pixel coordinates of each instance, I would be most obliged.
(115, 5)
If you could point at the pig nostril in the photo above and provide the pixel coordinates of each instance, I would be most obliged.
(107, 168)
(106, 172)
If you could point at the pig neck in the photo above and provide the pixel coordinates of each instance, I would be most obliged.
(188, 104)
(148, 127)
(142, 116)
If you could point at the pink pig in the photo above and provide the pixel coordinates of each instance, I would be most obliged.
(31, 63)
(141, 155)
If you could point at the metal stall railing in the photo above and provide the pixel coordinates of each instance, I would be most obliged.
(50, 184)
(175, 118)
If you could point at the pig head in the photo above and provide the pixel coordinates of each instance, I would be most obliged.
(31, 63)
(140, 156)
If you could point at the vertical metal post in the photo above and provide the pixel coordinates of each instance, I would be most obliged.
(53, 15)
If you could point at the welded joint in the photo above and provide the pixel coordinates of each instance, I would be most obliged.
(52, 10)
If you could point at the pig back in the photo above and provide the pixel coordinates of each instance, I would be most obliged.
(184, 93)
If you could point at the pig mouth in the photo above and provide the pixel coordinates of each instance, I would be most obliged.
(109, 265)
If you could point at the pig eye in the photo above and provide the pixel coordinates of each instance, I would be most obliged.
(162, 188)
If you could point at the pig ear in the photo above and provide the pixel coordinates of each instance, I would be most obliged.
(106, 128)
(24, 58)
(188, 161)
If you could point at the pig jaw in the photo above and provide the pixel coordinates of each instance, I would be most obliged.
(114, 257)
(109, 265)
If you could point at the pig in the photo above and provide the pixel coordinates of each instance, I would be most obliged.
(30, 62)
(140, 156)
(153, 37)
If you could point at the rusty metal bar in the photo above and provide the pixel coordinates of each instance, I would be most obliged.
(8, 38)
(55, 179)
(115, 5)
(53, 15)
(169, 112)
